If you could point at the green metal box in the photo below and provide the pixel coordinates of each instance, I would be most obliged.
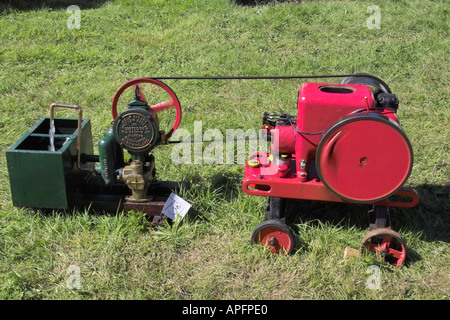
(40, 178)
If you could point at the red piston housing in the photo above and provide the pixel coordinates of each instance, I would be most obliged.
(342, 148)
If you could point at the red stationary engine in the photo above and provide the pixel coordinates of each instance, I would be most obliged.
(344, 145)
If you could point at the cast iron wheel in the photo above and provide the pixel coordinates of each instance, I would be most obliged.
(387, 243)
(275, 235)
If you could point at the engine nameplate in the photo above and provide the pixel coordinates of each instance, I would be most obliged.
(135, 131)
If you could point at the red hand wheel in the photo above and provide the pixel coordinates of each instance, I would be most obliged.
(173, 102)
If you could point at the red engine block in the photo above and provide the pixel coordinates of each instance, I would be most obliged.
(344, 145)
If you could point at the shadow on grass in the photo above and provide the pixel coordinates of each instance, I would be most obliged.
(227, 185)
(429, 219)
(23, 5)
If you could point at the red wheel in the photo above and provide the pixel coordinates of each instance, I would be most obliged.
(172, 103)
(387, 243)
(275, 235)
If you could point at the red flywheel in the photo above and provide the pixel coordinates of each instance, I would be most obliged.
(173, 102)
(364, 157)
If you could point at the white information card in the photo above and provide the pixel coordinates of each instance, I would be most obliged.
(175, 206)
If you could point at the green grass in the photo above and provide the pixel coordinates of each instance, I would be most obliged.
(42, 61)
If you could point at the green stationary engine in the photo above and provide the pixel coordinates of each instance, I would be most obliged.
(136, 130)
(53, 165)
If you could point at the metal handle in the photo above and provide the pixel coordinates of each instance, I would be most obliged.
(80, 118)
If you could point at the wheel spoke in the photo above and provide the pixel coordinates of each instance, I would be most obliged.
(163, 106)
(396, 254)
(372, 246)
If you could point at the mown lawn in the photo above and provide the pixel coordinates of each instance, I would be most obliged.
(118, 256)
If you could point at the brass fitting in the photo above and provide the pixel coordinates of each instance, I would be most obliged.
(136, 176)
